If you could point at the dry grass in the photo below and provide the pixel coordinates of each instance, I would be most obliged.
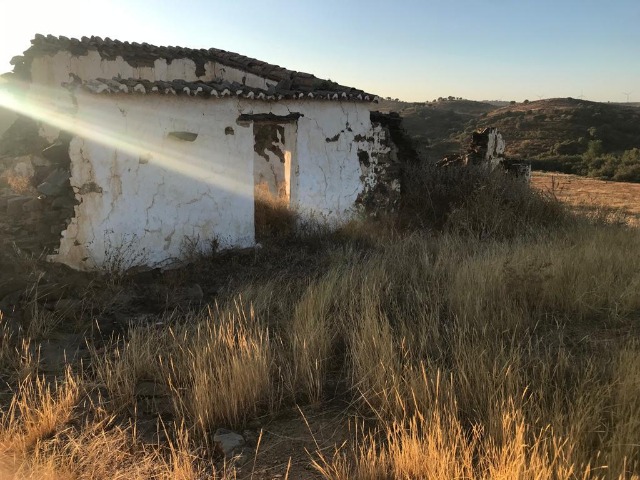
(588, 194)
(44, 436)
(481, 351)
(216, 368)
(273, 217)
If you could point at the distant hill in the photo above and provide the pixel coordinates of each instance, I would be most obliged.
(436, 127)
(565, 126)
(563, 134)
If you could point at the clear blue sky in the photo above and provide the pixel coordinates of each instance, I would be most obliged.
(410, 49)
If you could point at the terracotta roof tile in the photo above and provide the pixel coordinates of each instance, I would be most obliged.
(144, 54)
(214, 89)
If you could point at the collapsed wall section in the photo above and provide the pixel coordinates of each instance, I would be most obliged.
(36, 198)
(382, 152)
(487, 147)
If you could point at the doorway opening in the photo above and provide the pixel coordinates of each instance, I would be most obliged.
(274, 148)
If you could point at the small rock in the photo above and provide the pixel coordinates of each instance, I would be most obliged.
(228, 441)
(192, 293)
(23, 167)
(68, 308)
(57, 153)
(5, 198)
(38, 161)
(10, 302)
(13, 284)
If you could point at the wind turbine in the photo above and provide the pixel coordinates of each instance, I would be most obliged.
(581, 95)
(627, 94)
(540, 96)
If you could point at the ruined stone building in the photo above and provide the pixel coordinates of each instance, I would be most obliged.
(149, 147)
(487, 147)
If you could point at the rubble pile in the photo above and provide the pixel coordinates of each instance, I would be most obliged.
(36, 198)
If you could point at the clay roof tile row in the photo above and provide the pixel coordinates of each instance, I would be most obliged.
(214, 89)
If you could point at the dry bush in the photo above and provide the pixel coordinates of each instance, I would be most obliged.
(129, 362)
(510, 379)
(518, 436)
(311, 337)
(38, 411)
(585, 271)
(7, 346)
(473, 200)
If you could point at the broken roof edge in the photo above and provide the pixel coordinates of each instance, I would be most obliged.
(144, 55)
(214, 89)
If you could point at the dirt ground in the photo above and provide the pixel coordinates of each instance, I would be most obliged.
(591, 194)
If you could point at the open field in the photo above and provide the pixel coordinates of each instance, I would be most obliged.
(589, 194)
(487, 333)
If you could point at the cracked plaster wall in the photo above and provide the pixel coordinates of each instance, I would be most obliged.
(380, 167)
(48, 72)
(52, 70)
(140, 188)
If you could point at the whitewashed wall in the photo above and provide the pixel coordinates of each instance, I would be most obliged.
(138, 185)
(141, 189)
(52, 70)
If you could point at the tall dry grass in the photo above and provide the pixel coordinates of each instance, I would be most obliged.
(492, 323)
(499, 346)
(46, 434)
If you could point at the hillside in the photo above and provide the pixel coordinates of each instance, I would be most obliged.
(564, 126)
(562, 134)
(435, 127)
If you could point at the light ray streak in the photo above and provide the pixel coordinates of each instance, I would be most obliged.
(55, 107)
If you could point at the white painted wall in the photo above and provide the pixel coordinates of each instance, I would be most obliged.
(48, 72)
(495, 145)
(52, 70)
(145, 192)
